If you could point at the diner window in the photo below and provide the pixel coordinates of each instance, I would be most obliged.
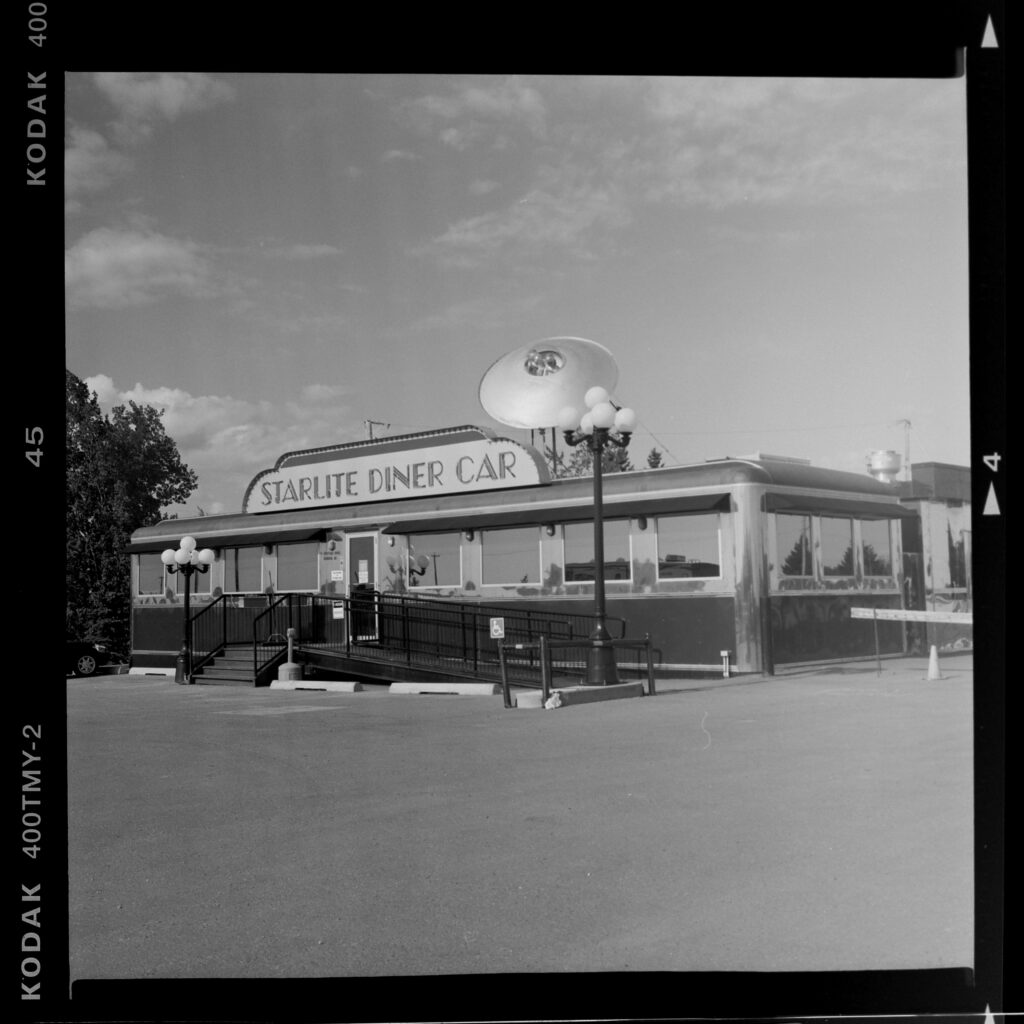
(957, 559)
(242, 570)
(877, 544)
(435, 560)
(511, 556)
(688, 547)
(579, 552)
(199, 583)
(836, 546)
(298, 566)
(793, 538)
(151, 573)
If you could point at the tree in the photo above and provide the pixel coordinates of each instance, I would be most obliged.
(654, 459)
(581, 461)
(122, 470)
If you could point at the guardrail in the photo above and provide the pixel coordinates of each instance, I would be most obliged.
(908, 615)
(445, 635)
(574, 667)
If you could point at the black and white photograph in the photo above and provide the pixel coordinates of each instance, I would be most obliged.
(525, 531)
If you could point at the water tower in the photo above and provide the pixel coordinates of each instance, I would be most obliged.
(884, 465)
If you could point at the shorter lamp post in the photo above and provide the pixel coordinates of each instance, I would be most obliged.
(187, 561)
(604, 423)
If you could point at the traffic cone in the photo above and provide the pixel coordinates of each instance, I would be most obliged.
(933, 664)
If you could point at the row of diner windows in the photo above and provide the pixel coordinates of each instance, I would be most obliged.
(688, 547)
(837, 539)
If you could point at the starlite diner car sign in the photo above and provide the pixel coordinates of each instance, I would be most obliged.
(453, 461)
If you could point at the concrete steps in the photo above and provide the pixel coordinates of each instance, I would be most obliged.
(233, 667)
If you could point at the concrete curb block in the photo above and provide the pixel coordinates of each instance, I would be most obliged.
(459, 689)
(579, 695)
(335, 686)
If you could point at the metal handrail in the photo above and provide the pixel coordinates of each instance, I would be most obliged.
(268, 613)
(217, 643)
(429, 632)
(545, 646)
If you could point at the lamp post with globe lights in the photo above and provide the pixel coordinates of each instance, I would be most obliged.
(602, 424)
(187, 561)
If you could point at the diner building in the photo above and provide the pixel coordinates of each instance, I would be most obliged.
(759, 556)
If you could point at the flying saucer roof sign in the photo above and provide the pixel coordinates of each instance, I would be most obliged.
(454, 461)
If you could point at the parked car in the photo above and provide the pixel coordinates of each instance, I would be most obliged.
(84, 657)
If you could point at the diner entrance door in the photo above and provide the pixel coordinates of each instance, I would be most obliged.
(361, 571)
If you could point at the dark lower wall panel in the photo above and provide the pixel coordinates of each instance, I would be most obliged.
(683, 630)
(818, 627)
(157, 628)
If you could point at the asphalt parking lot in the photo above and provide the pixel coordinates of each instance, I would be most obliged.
(815, 821)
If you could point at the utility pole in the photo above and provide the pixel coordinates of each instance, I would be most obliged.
(906, 449)
(370, 424)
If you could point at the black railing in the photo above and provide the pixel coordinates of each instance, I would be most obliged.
(269, 632)
(228, 619)
(460, 637)
(548, 664)
(207, 630)
(455, 636)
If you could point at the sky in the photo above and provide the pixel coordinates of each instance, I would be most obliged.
(777, 265)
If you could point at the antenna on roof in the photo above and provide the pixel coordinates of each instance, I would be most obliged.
(370, 424)
(906, 449)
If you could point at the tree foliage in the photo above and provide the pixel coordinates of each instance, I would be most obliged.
(122, 470)
(581, 461)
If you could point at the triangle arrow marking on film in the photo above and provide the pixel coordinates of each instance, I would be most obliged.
(991, 505)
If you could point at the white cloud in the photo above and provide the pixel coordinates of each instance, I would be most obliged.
(103, 386)
(90, 165)
(300, 251)
(144, 97)
(110, 268)
(227, 441)
(476, 104)
(399, 154)
(482, 187)
(568, 211)
(724, 142)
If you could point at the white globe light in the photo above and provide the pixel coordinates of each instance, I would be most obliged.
(207, 556)
(188, 544)
(193, 557)
(168, 556)
(587, 424)
(569, 418)
(625, 421)
(595, 396)
(181, 556)
(603, 415)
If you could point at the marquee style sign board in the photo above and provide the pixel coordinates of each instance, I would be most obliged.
(453, 461)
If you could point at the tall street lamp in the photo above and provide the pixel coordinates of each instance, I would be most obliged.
(604, 423)
(187, 561)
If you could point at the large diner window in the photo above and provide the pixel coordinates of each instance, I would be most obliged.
(298, 566)
(199, 583)
(688, 547)
(793, 537)
(877, 545)
(511, 556)
(435, 560)
(836, 546)
(242, 570)
(579, 552)
(151, 573)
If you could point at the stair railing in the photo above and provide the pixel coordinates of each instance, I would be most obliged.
(208, 629)
(269, 629)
